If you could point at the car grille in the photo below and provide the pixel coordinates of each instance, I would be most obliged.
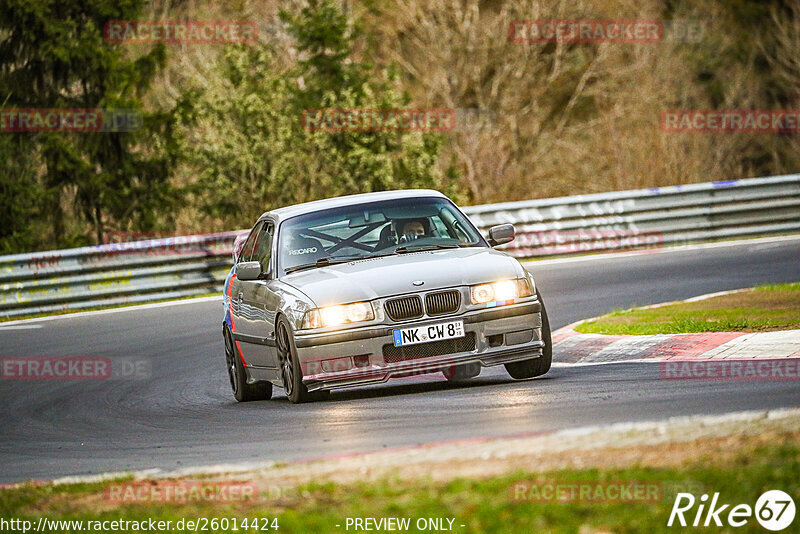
(442, 303)
(392, 354)
(404, 308)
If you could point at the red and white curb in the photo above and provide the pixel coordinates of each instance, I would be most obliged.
(572, 347)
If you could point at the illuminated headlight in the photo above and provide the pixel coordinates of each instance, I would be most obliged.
(338, 315)
(500, 292)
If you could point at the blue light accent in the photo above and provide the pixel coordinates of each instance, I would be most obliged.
(499, 303)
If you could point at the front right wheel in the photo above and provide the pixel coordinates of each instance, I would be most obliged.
(242, 391)
(291, 372)
(535, 366)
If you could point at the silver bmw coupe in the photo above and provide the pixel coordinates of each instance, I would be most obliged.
(359, 289)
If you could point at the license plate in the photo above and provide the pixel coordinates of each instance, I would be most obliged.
(428, 333)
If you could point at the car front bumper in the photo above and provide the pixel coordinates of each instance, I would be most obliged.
(358, 356)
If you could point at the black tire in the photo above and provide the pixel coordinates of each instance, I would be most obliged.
(242, 391)
(291, 372)
(466, 371)
(536, 366)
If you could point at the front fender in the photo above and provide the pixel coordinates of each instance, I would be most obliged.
(293, 303)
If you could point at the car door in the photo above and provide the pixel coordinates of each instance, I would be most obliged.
(235, 294)
(242, 315)
(259, 304)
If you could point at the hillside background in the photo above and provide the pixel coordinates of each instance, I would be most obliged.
(222, 140)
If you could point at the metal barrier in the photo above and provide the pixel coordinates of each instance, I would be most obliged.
(157, 269)
(114, 274)
(646, 218)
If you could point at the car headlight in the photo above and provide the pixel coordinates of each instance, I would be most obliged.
(355, 312)
(500, 292)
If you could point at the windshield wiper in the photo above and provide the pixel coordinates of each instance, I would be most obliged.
(406, 248)
(322, 262)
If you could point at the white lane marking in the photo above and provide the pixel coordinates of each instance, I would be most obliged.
(679, 248)
(693, 299)
(20, 326)
(717, 294)
(137, 307)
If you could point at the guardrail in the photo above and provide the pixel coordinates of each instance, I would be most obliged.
(114, 274)
(157, 269)
(646, 218)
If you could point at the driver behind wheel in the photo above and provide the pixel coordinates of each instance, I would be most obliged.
(412, 229)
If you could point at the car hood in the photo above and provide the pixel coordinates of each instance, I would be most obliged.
(393, 275)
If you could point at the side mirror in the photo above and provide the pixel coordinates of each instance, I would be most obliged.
(248, 270)
(501, 234)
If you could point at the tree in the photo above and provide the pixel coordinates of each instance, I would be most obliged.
(21, 197)
(333, 78)
(250, 150)
(53, 55)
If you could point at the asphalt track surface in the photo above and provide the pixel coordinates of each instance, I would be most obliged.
(185, 415)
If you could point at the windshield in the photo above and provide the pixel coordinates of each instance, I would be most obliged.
(373, 229)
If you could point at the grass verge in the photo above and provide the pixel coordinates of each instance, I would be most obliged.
(479, 504)
(760, 309)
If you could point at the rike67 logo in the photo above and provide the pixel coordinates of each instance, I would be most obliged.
(774, 510)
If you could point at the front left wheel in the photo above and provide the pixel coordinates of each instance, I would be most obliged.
(242, 391)
(536, 366)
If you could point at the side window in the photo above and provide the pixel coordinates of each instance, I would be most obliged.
(250, 244)
(263, 250)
